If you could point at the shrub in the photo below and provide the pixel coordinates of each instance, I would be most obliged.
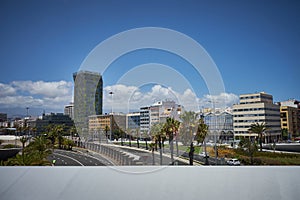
(9, 146)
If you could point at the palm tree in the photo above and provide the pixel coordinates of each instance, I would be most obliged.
(41, 145)
(129, 135)
(137, 137)
(249, 146)
(285, 133)
(158, 135)
(106, 129)
(23, 140)
(189, 120)
(258, 129)
(145, 136)
(152, 148)
(59, 129)
(201, 133)
(73, 131)
(171, 128)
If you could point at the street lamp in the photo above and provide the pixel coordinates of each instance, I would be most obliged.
(111, 116)
(215, 129)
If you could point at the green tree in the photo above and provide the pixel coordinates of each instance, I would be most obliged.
(59, 129)
(201, 133)
(41, 145)
(68, 144)
(152, 148)
(33, 154)
(258, 129)
(137, 135)
(106, 129)
(189, 121)
(202, 130)
(171, 129)
(285, 133)
(249, 146)
(158, 136)
(73, 131)
(23, 140)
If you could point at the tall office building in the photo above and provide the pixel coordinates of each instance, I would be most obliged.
(88, 98)
(253, 108)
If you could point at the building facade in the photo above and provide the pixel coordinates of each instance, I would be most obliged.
(158, 113)
(88, 98)
(221, 124)
(51, 119)
(290, 116)
(257, 108)
(145, 119)
(133, 120)
(69, 110)
(106, 126)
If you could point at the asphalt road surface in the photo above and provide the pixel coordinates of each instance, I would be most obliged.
(72, 158)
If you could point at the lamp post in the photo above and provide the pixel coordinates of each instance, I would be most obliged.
(111, 116)
(215, 129)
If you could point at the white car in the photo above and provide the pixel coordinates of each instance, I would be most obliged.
(204, 155)
(234, 162)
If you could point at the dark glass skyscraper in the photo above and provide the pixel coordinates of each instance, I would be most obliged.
(88, 99)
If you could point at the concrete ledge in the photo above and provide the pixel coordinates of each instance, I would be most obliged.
(146, 182)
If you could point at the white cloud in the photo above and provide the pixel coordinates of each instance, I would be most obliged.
(48, 89)
(127, 98)
(6, 90)
(222, 100)
(47, 95)
(55, 95)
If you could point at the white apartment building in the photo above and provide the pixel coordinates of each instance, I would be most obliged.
(69, 110)
(158, 113)
(257, 107)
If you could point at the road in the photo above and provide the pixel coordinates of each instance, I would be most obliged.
(75, 158)
(290, 147)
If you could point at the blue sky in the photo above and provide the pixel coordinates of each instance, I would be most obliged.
(255, 44)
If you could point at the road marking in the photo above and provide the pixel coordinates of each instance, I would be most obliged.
(69, 158)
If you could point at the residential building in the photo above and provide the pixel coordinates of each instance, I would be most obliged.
(88, 98)
(158, 113)
(69, 110)
(290, 116)
(145, 119)
(253, 108)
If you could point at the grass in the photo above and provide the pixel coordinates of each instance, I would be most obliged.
(261, 158)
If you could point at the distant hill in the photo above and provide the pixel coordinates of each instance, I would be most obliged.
(22, 112)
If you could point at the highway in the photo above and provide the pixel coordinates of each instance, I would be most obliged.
(76, 158)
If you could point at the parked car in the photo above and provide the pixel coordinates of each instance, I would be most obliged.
(234, 162)
(202, 154)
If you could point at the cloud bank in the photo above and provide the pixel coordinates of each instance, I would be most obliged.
(127, 98)
(53, 96)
